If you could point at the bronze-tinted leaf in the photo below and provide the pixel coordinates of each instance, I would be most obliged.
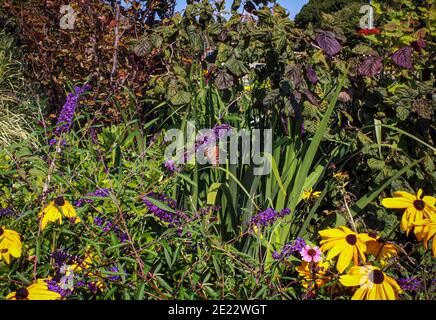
(223, 80)
(371, 66)
(403, 57)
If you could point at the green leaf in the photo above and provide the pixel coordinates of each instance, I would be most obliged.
(237, 67)
(371, 195)
(181, 98)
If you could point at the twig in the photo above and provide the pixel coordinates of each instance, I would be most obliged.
(117, 39)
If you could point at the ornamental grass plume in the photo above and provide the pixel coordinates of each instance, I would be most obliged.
(417, 207)
(374, 284)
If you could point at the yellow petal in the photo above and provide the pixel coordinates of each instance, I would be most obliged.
(359, 294)
(372, 293)
(337, 249)
(390, 294)
(431, 201)
(331, 233)
(344, 258)
(405, 194)
(397, 203)
(351, 281)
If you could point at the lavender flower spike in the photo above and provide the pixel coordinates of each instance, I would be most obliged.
(66, 115)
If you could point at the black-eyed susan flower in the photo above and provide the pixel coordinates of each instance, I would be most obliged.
(10, 244)
(374, 284)
(426, 230)
(54, 211)
(418, 207)
(345, 243)
(381, 250)
(36, 291)
(315, 272)
(310, 194)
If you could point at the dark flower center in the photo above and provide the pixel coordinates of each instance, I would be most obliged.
(419, 205)
(1, 231)
(60, 201)
(311, 252)
(351, 239)
(21, 294)
(377, 276)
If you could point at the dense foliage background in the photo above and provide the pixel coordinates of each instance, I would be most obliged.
(352, 117)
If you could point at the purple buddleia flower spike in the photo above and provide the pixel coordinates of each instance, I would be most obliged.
(410, 284)
(291, 248)
(101, 193)
(66, 116)
(268, 216)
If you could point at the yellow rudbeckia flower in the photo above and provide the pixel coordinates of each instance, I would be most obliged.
(374, 284)
(10, 244)
(426, 231)
(380, 249)
(308, 195)
(321, 275)
(345, 243)
(54, 211)
(36, 291)
(417, 207)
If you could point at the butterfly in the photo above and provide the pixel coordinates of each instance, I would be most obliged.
(213, 154)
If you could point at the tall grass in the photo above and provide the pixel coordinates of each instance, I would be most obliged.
(13, 125)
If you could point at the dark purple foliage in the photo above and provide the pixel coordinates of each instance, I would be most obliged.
(403, 57)
(309, 95)
(371, 66)
(418, 45)
(311, 75)
(328, 43)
